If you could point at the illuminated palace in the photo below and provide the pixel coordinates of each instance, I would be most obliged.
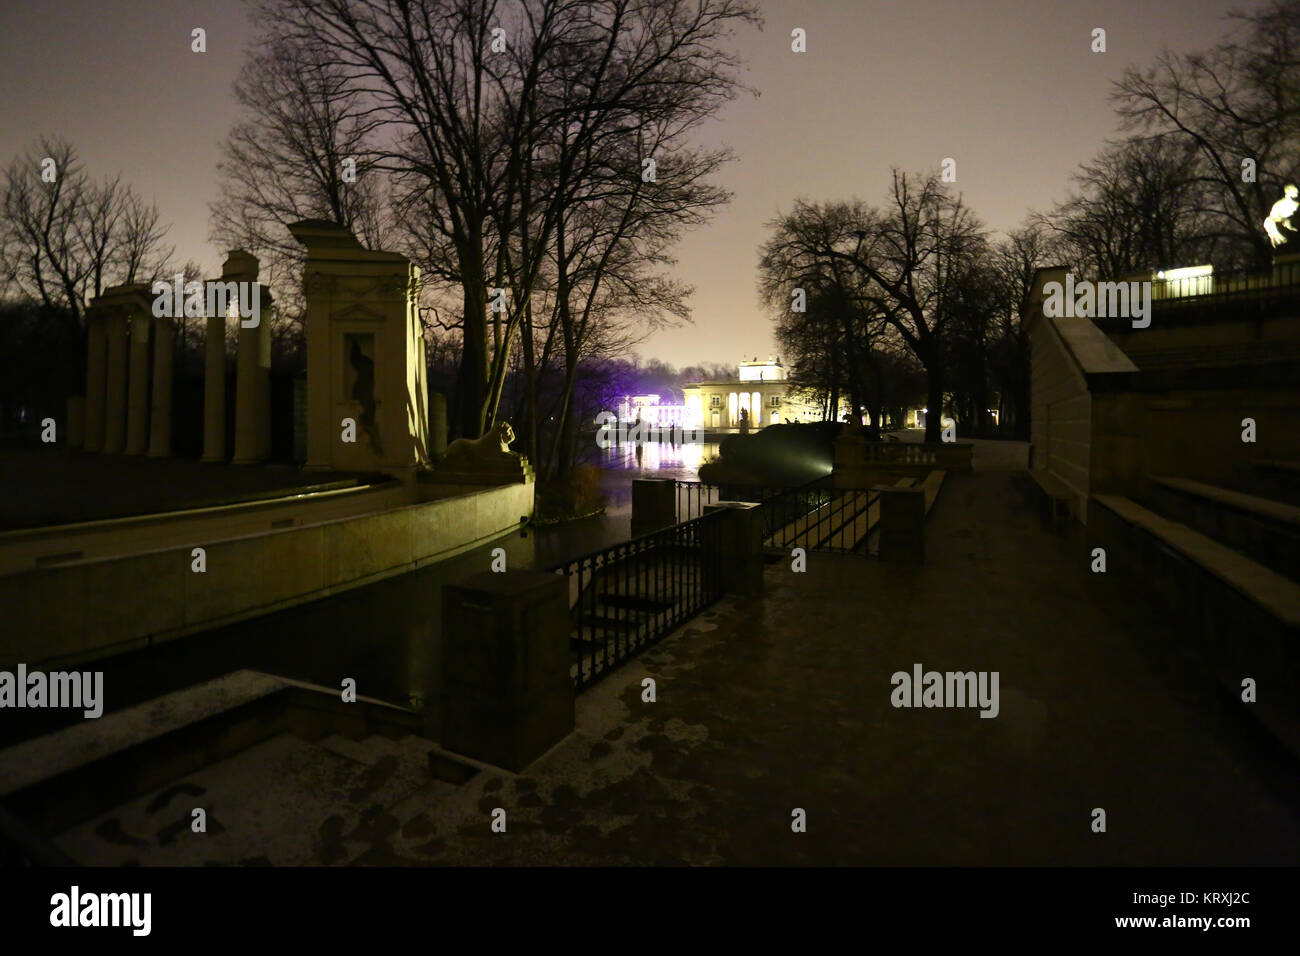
(760, 390)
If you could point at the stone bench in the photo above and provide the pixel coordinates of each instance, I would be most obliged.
(1057, 496)
(1264, 529)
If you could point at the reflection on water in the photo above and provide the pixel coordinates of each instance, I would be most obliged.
(658, 459)
(620, 464)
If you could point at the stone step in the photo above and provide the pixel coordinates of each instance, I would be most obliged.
(1264, 529)
(1261, 585)
(1243, 617)
(609, 622)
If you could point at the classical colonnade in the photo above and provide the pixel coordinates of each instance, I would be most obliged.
(127, 407)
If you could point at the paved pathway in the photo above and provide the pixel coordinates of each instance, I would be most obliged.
(785, 703)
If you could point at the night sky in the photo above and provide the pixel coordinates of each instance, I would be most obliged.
(1008, 88)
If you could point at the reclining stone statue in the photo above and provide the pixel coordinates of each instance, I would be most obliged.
(489, 454)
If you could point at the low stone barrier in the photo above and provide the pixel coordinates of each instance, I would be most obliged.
(87, 609)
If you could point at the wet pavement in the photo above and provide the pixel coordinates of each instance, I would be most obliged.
(783, 704)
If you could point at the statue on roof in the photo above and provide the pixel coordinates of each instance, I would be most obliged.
(1281, 213)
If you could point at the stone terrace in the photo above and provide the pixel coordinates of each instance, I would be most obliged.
(43, 488)
(785, 703)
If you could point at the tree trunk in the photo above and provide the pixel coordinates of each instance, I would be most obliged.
(934, 399)
(529, 429)
(471, 377)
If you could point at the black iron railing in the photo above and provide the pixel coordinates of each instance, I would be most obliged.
(1282, 282)
(815, 516)
(819, 518)
(692, 496)
(624, 598)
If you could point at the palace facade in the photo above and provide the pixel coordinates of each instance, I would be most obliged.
(760, 390)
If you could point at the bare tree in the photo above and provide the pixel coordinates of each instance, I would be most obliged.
(912, 257)
(302, 151)
(1141, 204)
(1238, 106)
(828, 322)
(65, 237)
(494, 113)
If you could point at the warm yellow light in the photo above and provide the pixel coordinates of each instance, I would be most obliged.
(1188, 272)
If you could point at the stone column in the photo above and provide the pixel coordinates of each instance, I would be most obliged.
(115, 382)
(507, 693)
(160, 419)
(214, 390)
(96, 369)
(137, 418)
(252, 376)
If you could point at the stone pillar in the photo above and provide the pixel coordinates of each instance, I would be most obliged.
(742, 546)
(437, 424)
(654, 504)
(214, 390)
(507, 693)
(902, 523)
(252, 368)
(160, 418)
(96, 370)
(115, 382)
(365, 355)
(137, 418)
(253, 395)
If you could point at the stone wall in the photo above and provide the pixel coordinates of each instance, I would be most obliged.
(1190, 433)
(90, 609)
(1061, 416)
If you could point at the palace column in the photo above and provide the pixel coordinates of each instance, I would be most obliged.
(137, 419)
(160, 418)
(96, 371)
(115, 382)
